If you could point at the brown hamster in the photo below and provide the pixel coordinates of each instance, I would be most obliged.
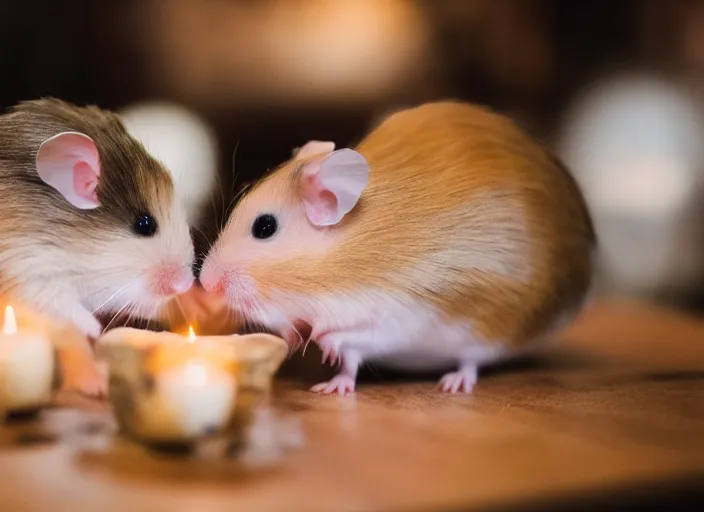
(448, 237)
(90, 222)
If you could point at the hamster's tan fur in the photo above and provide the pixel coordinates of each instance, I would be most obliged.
(464, 210)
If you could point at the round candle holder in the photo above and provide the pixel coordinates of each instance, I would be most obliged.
(168, 390)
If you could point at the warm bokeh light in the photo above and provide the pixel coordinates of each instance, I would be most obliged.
(10, 326)
(191, 334)
(185, 143)
(286, 52)
(633, 142)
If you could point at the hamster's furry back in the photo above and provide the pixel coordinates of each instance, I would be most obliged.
(467, 212)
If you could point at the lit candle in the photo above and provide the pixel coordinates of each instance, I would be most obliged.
(27, 367)
(168, 388)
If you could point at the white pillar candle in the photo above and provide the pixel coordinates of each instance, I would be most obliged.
(191, 400)
(26, 367)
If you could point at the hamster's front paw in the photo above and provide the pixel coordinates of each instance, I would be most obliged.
(462, 380)
(340, 384)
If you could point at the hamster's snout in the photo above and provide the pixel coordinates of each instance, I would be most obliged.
(232, 283)
(173, 280)
(213, 281)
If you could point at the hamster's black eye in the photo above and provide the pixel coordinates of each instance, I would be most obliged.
(145, 225)
(264, 226)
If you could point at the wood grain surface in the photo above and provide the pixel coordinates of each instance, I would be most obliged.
(618, 403)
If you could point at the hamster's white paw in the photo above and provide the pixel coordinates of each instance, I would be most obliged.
(340, 384)
(462, 380)
(87, 323)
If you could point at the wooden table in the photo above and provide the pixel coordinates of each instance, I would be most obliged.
(616, 410)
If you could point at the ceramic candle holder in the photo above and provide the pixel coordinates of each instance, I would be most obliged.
(168, 389)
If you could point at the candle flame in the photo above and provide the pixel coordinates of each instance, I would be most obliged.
(191, 334)
(10, 326)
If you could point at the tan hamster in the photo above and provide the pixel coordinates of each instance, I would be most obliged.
(90, 222)
(447, 238)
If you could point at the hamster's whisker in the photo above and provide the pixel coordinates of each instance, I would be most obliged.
(75, 274)
(104, 272)
(177, 299)
(260, 316)
(120, 290)
(207, 239)
(213, 202)
(218, 179)
(143, 312)
(117, 313)
(99, 291)
(242, 191)
(233, 182)
(233, 318)
(129, 312)
(248, 324)
(196, 228)
(136, 312)
(235, 173)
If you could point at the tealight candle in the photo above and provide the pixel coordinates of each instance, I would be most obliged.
(169, 389)
(27, 367)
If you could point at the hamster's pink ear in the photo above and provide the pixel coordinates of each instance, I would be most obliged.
(313, 148)
(69, 162)
(331, 186)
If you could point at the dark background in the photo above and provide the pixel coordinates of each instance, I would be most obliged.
(223, 59)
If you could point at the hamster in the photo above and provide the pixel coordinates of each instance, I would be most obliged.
(90, 222)
(447, 238)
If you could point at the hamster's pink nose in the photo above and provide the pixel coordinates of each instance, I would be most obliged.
(213, 281)
(182, 283)
(174, 280)
(215, 285)
(231, 282)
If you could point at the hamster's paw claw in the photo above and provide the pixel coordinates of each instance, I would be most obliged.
(340, 384)
(330, 353)
(462, 380)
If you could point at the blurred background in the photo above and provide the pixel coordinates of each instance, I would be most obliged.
(223, 90)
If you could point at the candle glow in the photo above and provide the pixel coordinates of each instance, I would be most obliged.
(195, 374)
(196, 391)
(27, 366)
(10, 325)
